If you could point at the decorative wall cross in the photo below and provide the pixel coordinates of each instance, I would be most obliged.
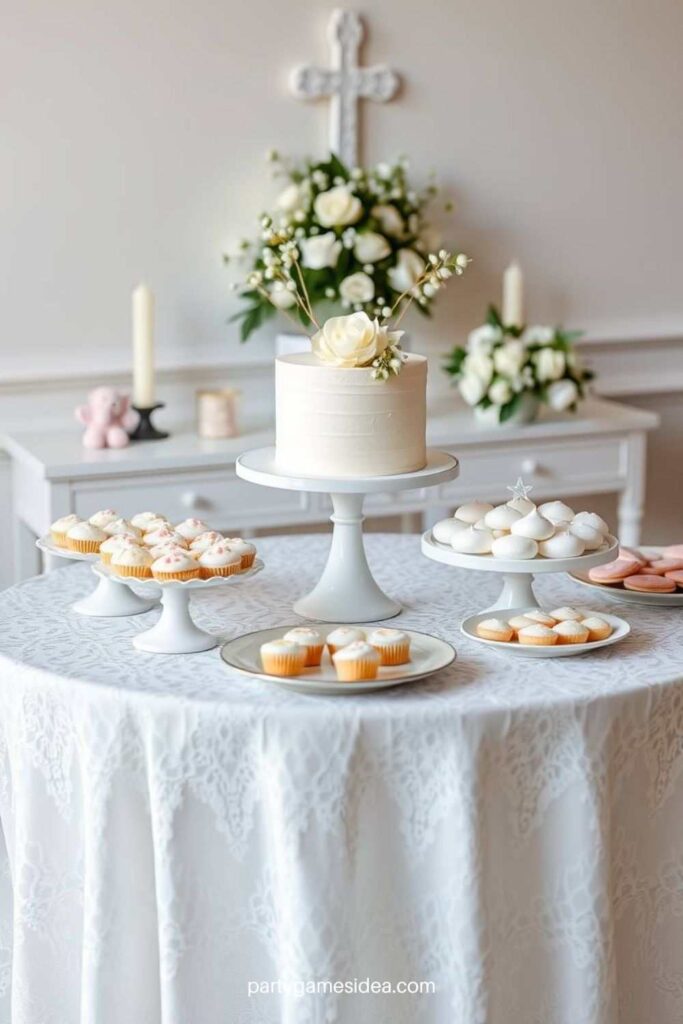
(345, 83)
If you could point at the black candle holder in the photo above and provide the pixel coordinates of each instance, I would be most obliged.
(145, 430)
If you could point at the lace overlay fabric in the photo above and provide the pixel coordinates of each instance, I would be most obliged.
(509, 830)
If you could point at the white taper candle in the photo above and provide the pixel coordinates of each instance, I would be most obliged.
(513, 296)
(143, 347)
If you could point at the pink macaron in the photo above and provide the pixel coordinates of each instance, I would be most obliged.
(614, 572)
(673, 551)
(649, 584)
(660, 566)
(633, 555)
(677, 576)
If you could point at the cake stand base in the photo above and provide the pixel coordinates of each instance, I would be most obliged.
(111, 599)
(175, 632)
(347, 591)
(517, 592)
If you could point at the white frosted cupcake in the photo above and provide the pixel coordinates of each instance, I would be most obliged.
(147, 521)
(85, 537)
(246, 551)
(191, 528)
(61, 527)
(597, 628)
(103, 517)
(495, 629)
(564, 613)
(571, 632)
(164, 535)
(177, 565)
(132, 560)
(121, 526)
(282, 658)
(342, 636)
(205, 541)
(218, 561)
(356, 662)
(392, 645)
(111, 545)
(537, 636)
(311, 641)
(166, 548)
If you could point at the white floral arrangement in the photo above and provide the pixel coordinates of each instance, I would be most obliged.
(503, 363)
(362, 244)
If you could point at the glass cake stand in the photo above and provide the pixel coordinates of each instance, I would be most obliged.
(347, 591)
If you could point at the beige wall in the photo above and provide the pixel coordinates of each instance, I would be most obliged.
(133, 133)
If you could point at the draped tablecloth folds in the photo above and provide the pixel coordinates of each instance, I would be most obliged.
(183, 845)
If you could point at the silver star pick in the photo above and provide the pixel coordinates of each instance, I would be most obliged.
(520, 490)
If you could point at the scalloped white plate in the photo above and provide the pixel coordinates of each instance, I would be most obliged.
(620, 626)
(216, 581)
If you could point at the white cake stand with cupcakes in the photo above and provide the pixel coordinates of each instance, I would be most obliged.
(517, 541)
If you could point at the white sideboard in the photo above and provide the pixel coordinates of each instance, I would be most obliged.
(601, 450)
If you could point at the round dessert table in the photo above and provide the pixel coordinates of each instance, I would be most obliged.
(501, 842)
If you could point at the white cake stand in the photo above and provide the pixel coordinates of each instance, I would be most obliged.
(518, 573)
(347, 590)
(110, 598)
(175, 632)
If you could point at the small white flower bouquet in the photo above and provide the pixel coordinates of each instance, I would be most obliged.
(362, 245)
(505, 366)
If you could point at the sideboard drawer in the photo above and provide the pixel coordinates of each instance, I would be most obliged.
(220, 497)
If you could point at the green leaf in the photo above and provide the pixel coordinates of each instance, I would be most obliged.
(251, 321)
(510, 408)
(454, 361)
(493, 317)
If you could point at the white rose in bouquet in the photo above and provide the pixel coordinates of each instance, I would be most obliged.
(472, 388)
(478, 364)
(537, 335)
(320, 251)
(562, 394)
(290, 199)
(390, 220)
(353, 340)
(484, 338)
(370, 247)
(337, 207)
(550, 364)
(357, 288)
(407, 271)
(509, 358)
(500, 392)
(280, 296)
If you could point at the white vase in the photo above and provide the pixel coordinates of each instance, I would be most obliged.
(526, 412)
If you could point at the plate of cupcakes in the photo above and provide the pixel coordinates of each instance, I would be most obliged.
(535, 633)
(337, 659)
(646, 576)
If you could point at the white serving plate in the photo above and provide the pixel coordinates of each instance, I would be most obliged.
(620, 626)
(428, 654)
(617, 592)
(47, 545)
(489, 563)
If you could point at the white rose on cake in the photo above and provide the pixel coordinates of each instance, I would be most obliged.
(351, 341)
(320, 251)
(509, 358)
(407, 271)
(549, 364)
(472, 388)
(357, 287)
(370, 247)
(562, 394)
(337, 207)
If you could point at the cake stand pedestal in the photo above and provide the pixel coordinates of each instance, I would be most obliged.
(518, 574)
(110, 598)
(347, 590)
(176, 632)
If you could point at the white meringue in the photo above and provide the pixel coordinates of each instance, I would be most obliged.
(522, 505)
(591, 538)
(445, 528)
(472, 541)
(472, 511)
(592, 519)
(511, 546)
(556, 511)
(533, 525)
(562, 544)
(481, 525)
(501, 517)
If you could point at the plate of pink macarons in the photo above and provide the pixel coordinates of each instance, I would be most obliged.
(648, 575)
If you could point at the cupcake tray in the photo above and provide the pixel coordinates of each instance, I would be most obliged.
(175, 632)
(518, 574)
(111, 598)
(620, 628)
(428, 655)
(618, 592)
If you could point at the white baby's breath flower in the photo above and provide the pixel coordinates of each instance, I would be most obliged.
(357, 288)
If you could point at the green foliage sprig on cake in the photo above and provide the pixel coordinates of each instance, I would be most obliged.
(362, 241)
(504, 363)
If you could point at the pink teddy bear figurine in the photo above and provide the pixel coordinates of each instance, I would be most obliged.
(107, 418)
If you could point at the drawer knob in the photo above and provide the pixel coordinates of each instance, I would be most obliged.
(190, 499)
(530, 466)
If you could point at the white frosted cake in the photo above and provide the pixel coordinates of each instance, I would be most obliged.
(338, 422)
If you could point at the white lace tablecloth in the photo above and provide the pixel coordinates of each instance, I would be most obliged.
(510, 831)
